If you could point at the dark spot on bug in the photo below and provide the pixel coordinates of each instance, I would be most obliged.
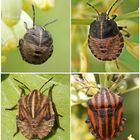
(118, 54)
(103, 51)
(102, 47)
(38, 52)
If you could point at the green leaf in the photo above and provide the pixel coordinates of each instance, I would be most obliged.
(130, 15)
(11, 93)
(81, 21)
(111, 66)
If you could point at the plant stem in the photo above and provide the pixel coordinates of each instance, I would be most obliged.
(130, 89)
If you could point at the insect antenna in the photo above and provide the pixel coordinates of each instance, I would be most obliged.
(112, 7)
(22, 84)
(93, 8)
(50, 92)
(50, 22)
(33, 16)
(45, 83)
(117, 64)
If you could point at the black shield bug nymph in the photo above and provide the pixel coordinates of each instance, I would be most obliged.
(105, 39)
(36, 113)
(37, 44)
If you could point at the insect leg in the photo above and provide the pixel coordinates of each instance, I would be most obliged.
(117, 64)
(113, 17)
(17, 131)
(122, 29)
(26, 26)
(12, 108)
(57, 119)
(22, 91)
(54, 108)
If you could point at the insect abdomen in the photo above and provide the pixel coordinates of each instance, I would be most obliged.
(107, 49)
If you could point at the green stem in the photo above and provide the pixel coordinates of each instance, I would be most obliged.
(109, 80)
(130, 15)
(81, 21)
(117, 82)
(131, 89)
(103, 79)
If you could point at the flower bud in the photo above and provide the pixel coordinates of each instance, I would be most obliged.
(11, 10)
(44, 4)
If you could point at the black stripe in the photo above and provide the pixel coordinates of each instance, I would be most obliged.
(110, 115)
(94, 113)
(102, 111)
(36, 104)
(96, 100)
(29, 102)
(121, 39)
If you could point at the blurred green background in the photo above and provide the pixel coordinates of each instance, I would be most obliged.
(11, 93)
(82, 58)
(60, 31)
(79, 128)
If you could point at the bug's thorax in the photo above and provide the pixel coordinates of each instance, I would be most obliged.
(101, 20)
(102, 17)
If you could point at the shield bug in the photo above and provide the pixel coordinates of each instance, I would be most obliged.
(37, 44)
(105, 39)
(105, 114)
(37, 114)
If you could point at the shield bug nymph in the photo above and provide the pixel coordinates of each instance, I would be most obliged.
(105, 39)
(105, 114)
(37, 44)
(37, 114)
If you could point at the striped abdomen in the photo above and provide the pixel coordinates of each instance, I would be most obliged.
(105, 114)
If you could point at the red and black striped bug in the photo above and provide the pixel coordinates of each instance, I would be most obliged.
(105, 114)
(36, 113)
(105, 39)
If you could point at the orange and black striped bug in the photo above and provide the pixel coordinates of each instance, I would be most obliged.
(105, 114)
(105, 39)
(36, 113)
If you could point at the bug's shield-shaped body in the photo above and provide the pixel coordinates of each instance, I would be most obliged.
(36, 46)
(105, 39)
(105, 115)
(36, 116)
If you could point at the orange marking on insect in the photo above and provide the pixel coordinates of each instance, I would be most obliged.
(101, 29)
(99, 115)
(119, 116)
(92, 117)
(33, 106)
(106, 113)
(113, 118)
